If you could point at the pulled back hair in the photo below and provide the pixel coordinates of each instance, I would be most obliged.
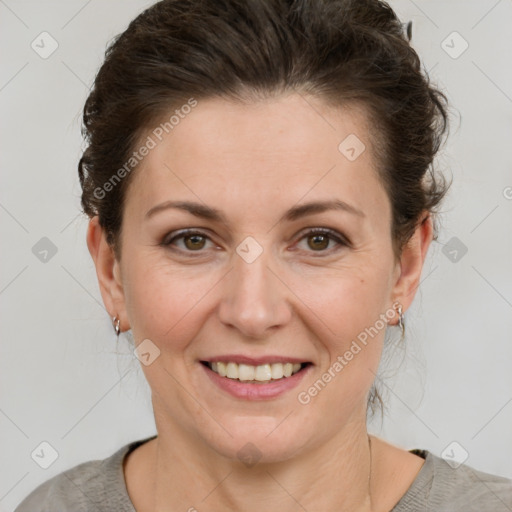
(346, 52)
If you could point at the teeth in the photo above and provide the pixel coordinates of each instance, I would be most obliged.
(245, 372)
(261, 373)
(276, 370)
(232, 370)
(221, 369)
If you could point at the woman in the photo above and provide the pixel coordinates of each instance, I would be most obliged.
(259, 184)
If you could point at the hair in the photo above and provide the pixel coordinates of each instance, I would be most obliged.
(345, 52)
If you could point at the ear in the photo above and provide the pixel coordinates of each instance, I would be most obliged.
(411, 263)
(108, 271)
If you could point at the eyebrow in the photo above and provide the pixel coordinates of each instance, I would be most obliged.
(294, 213)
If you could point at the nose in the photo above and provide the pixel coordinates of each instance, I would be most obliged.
(254, 299)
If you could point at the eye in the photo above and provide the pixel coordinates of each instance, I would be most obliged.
(194, 241)
(318, 239)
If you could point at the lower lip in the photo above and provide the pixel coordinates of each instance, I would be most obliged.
(247, 391)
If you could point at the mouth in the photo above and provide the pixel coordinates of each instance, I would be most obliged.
(260, 374)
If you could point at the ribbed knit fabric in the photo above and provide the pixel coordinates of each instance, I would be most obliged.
(99, 486)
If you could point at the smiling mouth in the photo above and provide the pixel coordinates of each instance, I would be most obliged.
(261, 374)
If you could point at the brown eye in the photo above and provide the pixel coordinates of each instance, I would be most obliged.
(194, 241)
(317, 241)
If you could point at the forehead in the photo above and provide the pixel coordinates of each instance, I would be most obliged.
(266, 155)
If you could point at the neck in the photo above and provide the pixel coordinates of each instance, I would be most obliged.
(333, 476)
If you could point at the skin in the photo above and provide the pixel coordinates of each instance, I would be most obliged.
(253, 162)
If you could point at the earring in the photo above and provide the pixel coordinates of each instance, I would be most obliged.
(116, 323)
(401, 321)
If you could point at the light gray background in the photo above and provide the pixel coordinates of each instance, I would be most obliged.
(61, 379)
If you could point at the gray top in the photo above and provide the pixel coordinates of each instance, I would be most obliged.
(99, 485)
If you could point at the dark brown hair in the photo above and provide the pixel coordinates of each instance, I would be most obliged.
(346, 52)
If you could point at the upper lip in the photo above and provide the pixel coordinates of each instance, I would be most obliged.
(254, 361)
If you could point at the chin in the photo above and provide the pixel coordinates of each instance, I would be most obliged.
(259, 440)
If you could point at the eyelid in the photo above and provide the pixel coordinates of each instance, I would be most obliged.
(335, 235)
(182, 233)
(338, 237)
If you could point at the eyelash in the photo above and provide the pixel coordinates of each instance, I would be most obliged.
(333, 235)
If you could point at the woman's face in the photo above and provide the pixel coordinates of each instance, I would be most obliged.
(258, 284)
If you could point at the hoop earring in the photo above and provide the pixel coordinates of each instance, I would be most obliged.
(401, 320)
(117, 325)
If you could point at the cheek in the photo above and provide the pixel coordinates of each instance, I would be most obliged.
(352, 307)
(352, 301)
(353, 357)
(168, 303)
(163, 302)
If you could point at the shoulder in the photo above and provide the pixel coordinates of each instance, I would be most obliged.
(91, 486)
(441, 487)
